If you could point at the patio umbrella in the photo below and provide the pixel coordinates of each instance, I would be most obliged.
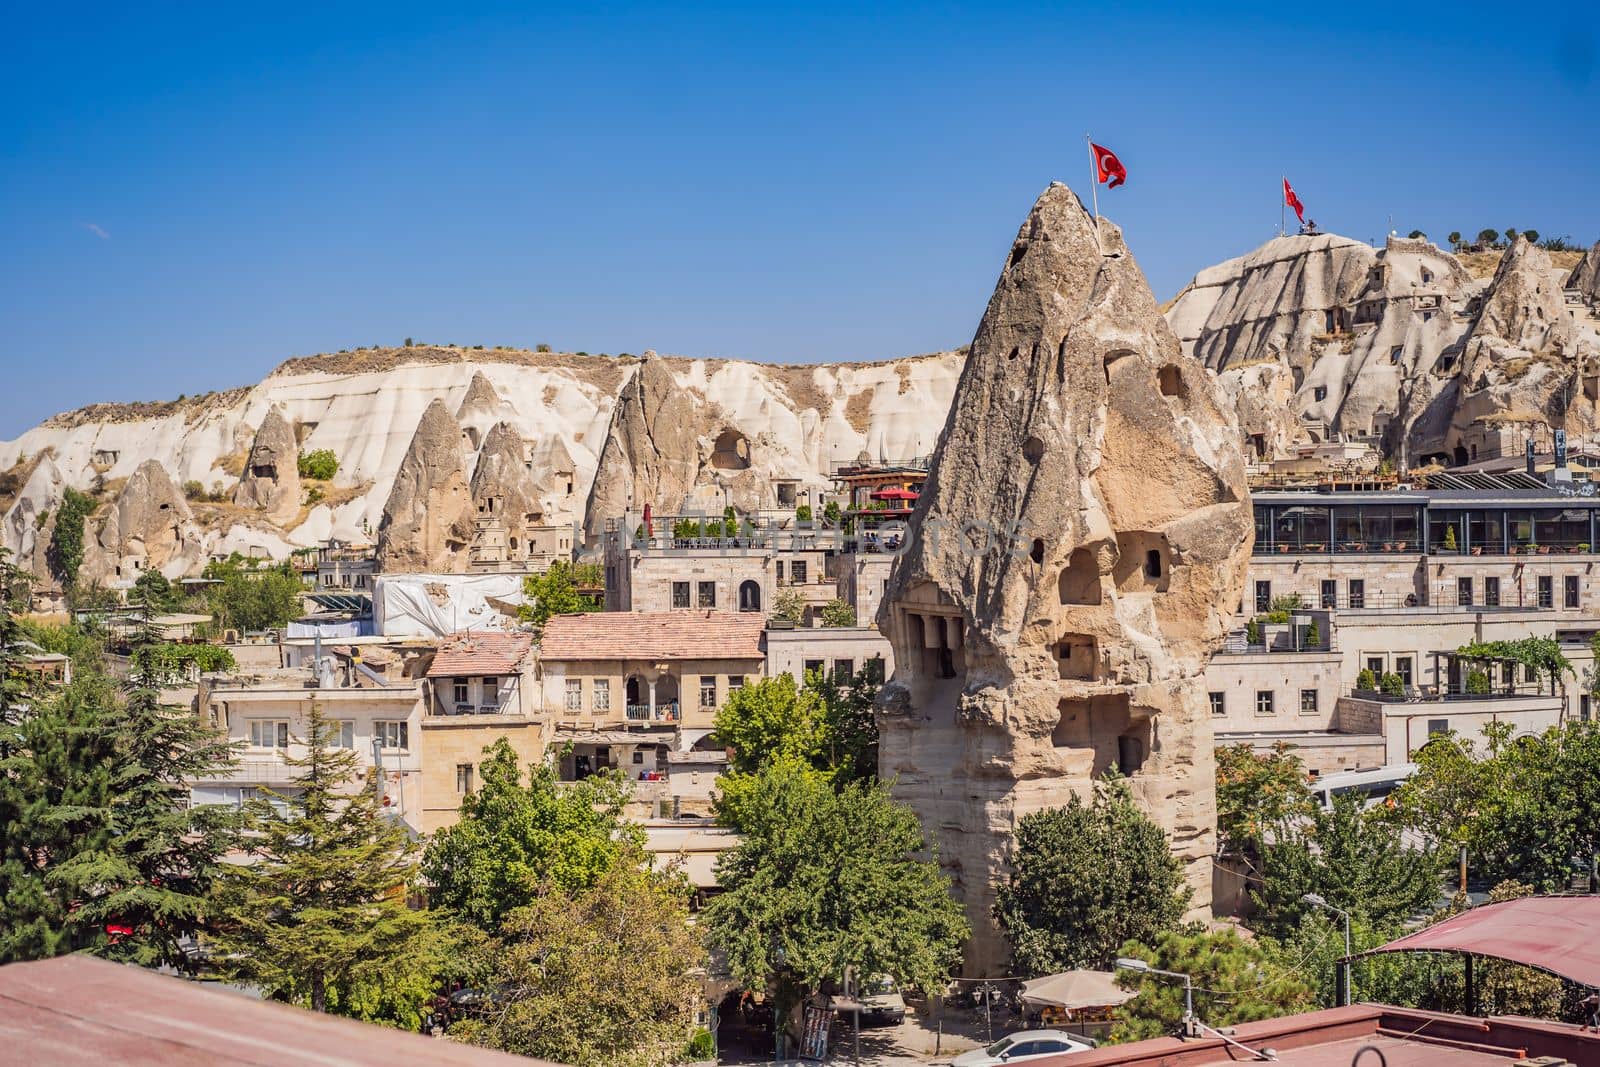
(894, 492)
(1076, 989)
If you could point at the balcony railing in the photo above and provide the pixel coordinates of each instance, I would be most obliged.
(662, 712)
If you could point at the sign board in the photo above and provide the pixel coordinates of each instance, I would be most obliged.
(1561, 448)
(814, 1033)
(1530, 455)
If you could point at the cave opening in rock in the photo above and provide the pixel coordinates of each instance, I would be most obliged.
(1080, 581)
(1078, 657)
(1036, 553)
(1033, 450)
(1170, 379)
(731, 451)
(1141, 562)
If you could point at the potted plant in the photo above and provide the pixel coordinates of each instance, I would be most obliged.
(1367, 681)
(802, 516)
(1583, 547)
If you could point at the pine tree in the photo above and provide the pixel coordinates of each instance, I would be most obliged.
(319, 915)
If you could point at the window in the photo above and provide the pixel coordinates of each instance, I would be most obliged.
(638, 755)
(1530, 673)
(1546, 592)
(797, 570)
(844, 670)
(1319, 393)
(1402, 667)
(574, 694)
(1308, 701)
(1464, 592)
(1263, 596)
(708, 594)
(1438, 726)
(1583, 707)
(600, 694)
(491, 691)
(1491, 592)
(1376, 665)
(680, 594)
(463, 778)
(1219, 703)
(1357, 592)
(393, 735)
(460, 693)
(1330, 593)
(269, 733)
(1264, 702)
(779, 565)
(1508, 673)
(708, 690)
(735, 683)
(812, 666)
(874, 669)
(1569, 591)
(342, 734)
(1396, 352)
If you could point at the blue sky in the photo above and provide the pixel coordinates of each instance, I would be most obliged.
(190, 194)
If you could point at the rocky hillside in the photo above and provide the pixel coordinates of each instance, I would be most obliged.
(534, 428)
(1400, 345)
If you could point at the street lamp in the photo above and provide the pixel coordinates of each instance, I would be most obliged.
(1128, 963)
(1316, 901)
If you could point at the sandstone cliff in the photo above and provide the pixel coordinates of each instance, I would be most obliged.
(427, 521)
(271, 479)
(1070, 566)
(149, 527)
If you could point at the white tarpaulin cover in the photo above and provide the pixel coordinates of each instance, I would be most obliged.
(433, 605)
(1076, 989)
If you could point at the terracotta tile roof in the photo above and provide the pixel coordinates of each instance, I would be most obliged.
(663, 635)
(480, 652)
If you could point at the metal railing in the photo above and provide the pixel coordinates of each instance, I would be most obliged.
(663, 712)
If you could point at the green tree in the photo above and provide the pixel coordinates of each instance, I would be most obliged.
(252, 596)
(99, 831)
(1313, 950)
(155, 591)
(832, 513)
(1256, 793)
(555, 592)
(1455, 240)
(851, 723)
(1236, 981)
(789, 604)
(822, 880)
(599, 976)
(1084, 879)
(1353, 859)
(320, 464)
(1532, 236)
(65, 554)
(318, 916)
(1415, 234)
(514, 839)
(1488, 238)
(827, 724)
(1501, 987)
(838, 612)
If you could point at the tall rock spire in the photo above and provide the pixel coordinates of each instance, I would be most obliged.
(427, 520)
(271, 479)
(1071, 565)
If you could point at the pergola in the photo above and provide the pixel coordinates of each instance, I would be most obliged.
(1559, 935)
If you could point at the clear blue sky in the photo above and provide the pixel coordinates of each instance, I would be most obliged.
(189, 194)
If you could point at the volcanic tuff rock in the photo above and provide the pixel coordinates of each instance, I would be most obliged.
(150, 527)
(481, 409)
(30, 521)
(271, 481)
(427, 522)
(1585, 277)
(1071, 564)
(652, 453)
(502, 475)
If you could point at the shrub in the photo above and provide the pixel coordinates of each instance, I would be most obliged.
(1392, 685)
(831, 513)
(1450, 538)
(193, 490)
(321, 465)
(803, 512)
(838, 612)
(1415, 234)
(1313, 635)
(1532, 236)
(1488, 238)
(1252, 632)
(1367, 681)
(1477, 681)
(541, 348)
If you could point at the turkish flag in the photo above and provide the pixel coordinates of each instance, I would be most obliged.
(1294, 202)
(1109, 170)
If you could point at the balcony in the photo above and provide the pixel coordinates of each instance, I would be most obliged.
(665, 712)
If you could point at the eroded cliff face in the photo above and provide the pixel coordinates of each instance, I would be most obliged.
(271, 479)
(427, 521)
(745, 421)
(149, 527)
(1070, 567)
(1399, 346)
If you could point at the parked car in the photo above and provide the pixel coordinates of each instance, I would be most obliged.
(1022, 1047)
(881, 1003)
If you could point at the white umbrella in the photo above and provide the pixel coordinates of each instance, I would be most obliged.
(1076, 989)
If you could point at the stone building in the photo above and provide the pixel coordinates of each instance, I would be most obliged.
(1071, 563)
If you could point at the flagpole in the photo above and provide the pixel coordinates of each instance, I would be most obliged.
(1094, 184)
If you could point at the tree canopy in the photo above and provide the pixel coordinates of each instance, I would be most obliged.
(1084, 879)
(555, 592)
(1257, 792)
(318, 914)
(515, 839)
(826, 879)
(1235, 980)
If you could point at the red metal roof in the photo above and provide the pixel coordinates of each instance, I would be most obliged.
(1556, 934)
(480, 652)
(78, 1010)
(664, 635)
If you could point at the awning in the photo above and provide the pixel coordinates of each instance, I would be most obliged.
(1076, 989)
(1556, 934)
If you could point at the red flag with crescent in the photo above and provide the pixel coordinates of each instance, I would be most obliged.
(1294, 202)
(1109, 170)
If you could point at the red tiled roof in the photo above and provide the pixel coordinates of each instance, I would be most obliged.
(665, 635)
(480, 652)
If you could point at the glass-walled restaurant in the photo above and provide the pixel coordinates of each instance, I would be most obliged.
(1415, 528)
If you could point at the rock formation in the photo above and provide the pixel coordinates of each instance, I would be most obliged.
(150, 527)
(427, 521)
(271, 479)
(1262, 398)
(501, 475)
(29, 523)
(1585, 277)
(481, 409)
(1071, 565)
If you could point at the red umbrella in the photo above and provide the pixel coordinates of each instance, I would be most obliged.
(894, 492)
